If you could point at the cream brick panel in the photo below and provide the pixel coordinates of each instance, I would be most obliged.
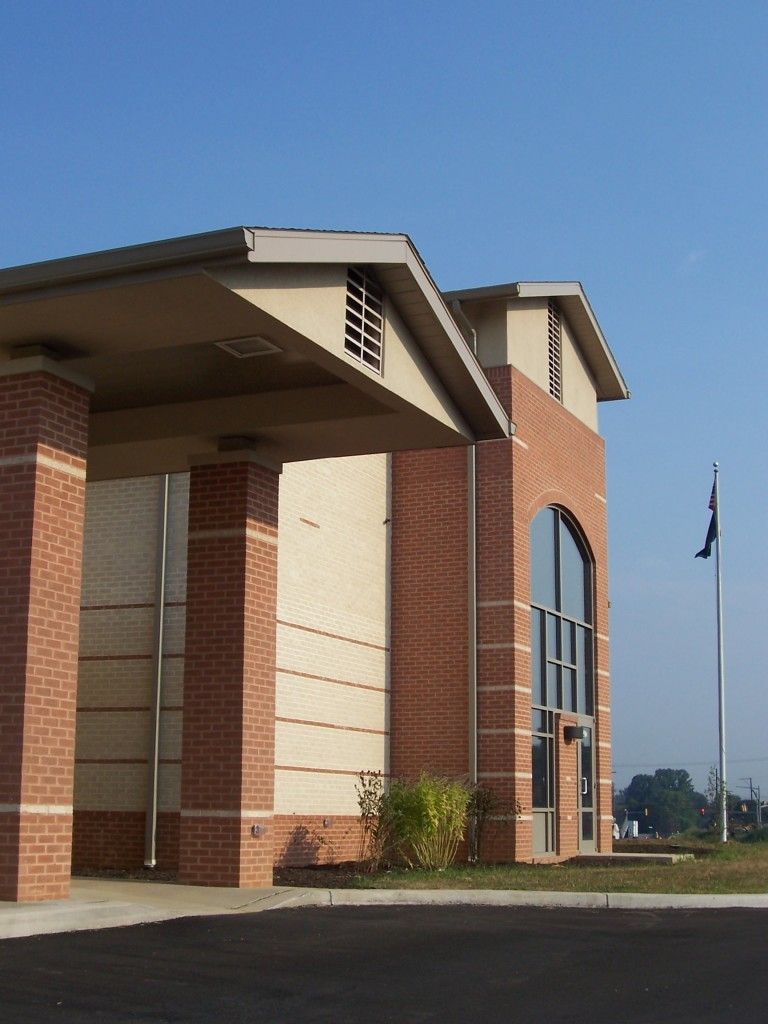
(176, 555)
(319, 655)
(115, 683)
(117, 631)
(120, 541)
(173, 681)
(333, 575)
(309, 746)
(319, 701)
(314, 793)
(110, 787)
(168, 787)
(170, 734)
(112, 734)
(173, 630)
(123, 787)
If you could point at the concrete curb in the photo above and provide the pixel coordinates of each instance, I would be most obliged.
(24, 920)
(528, 898)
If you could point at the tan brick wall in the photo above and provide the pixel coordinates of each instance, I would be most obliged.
(333, 634)
(332, 643)
(117, 641)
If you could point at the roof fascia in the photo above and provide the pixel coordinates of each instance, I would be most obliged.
(266, 245)
(295, 246)
(589, 333)
(207, 247)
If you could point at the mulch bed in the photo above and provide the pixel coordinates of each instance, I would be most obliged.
(330, 876)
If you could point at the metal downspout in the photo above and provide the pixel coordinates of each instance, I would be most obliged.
(472, 606)
(150, 831)
(471, 573)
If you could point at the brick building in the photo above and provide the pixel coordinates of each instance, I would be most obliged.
(274, 511)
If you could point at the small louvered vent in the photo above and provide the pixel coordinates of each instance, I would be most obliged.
(245, 348)
(364, 328)
(555, 350)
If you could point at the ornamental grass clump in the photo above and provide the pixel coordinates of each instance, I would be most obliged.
(426, 820)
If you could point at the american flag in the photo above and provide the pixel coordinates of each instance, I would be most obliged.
(711, 505)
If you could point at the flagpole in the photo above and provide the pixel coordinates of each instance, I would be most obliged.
(720, 663)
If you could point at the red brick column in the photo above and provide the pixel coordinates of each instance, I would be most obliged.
(228, 746)
(503, 658)
(43, 440)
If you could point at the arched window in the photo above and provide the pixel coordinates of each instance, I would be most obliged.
(562, 676)
(561, 616)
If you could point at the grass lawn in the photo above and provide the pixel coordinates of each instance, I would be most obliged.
(735, 868)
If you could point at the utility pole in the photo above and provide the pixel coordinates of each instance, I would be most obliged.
(754, 794)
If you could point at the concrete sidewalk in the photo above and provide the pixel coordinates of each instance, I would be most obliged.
(107, 903)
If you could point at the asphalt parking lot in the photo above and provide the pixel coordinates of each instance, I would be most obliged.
(404, 964)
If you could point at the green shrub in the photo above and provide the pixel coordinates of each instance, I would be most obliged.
(426, 820)
(758, 835)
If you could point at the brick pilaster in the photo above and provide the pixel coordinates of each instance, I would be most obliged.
(566, 788)
(429, 707)
(43, 440)
(227, 783)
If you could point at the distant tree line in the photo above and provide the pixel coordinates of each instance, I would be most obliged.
(664, 802)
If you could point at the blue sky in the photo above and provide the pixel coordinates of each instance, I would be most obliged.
(620, 144)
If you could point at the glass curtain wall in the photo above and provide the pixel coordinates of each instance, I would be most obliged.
(561, 652)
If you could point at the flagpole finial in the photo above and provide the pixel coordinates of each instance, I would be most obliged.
(716, 466)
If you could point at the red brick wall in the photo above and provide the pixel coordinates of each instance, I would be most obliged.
(429, 709)
(228, 752)
(43, 440)
(301, 839)
(557, 460)
(115, 839)
(554, 459)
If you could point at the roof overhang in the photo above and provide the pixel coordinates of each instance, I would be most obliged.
(573, 302)
(142, 323)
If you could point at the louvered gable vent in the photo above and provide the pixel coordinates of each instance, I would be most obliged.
(555, 352)
(364, 328)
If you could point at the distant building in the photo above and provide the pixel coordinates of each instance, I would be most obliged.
(321, 536)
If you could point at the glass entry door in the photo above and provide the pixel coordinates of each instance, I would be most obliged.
(586, 794)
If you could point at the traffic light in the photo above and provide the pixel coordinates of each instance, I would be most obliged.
(702, 811)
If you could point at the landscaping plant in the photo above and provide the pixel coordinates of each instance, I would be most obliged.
(483, 802)
(374, 820)
(426, 819)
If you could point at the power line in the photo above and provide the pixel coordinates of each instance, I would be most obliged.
(689, 764)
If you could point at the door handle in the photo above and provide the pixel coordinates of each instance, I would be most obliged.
(584, 785)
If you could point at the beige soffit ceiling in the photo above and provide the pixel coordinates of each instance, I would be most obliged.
(575, 305)
(393, 256)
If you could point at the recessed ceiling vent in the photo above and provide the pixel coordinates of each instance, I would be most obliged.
(246, 348)
(364, 325)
